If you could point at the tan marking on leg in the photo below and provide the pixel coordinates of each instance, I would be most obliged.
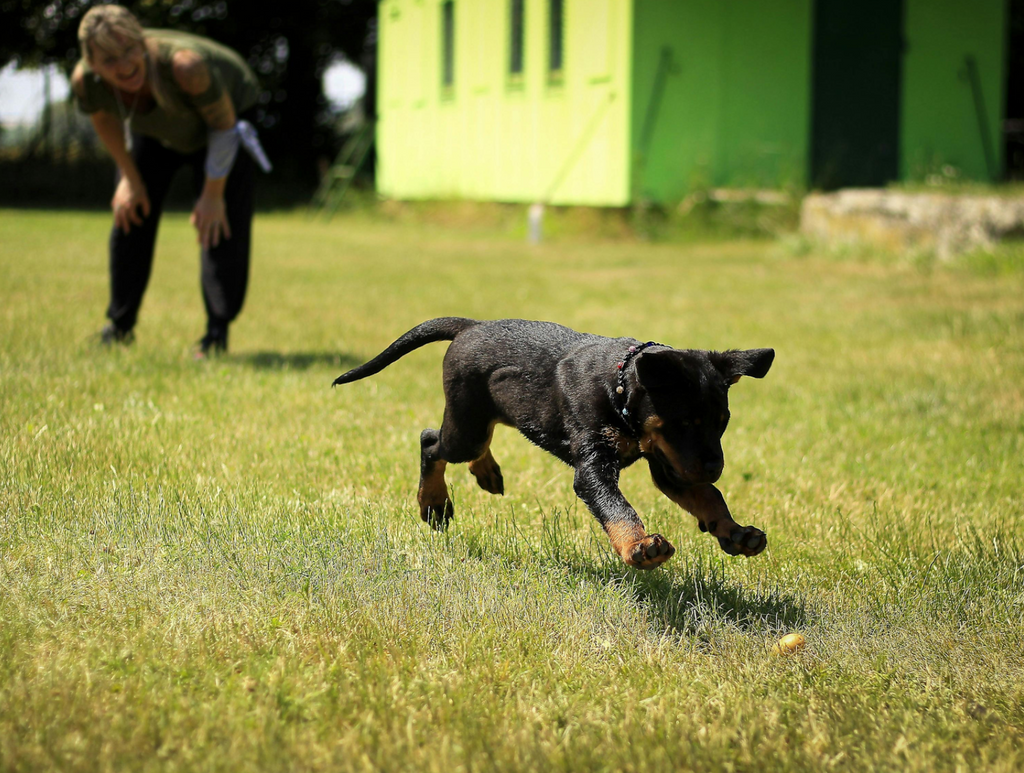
(623, 535)
(483, 465)
(479, 465)
(713, 515)
(433, 489)
(487, 473)
(718, 523)
(435, 505)
(636, 547)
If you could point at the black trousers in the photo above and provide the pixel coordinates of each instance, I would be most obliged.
(224, 269)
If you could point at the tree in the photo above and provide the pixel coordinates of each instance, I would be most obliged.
(288, 44)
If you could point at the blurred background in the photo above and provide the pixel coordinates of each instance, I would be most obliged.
(313, 58)
(606, 103)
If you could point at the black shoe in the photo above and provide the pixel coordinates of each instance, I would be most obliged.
(112, 335)
(211, 345)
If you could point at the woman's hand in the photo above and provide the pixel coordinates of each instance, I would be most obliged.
(210, 219)
(130, 204)
(193, 76)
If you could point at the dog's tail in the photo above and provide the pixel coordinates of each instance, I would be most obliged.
(440, 329)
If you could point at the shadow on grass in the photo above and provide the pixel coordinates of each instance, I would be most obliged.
(687, 600)
(298, 360)
(689, 594)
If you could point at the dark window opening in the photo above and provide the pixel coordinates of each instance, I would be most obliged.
(515, 65)
(856, 88)
(448, 44)
(1013, 127)
(556, 28)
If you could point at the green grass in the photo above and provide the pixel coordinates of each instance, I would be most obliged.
(218, 565)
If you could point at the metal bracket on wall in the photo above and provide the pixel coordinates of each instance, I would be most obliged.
(970, 74)
(337, 180)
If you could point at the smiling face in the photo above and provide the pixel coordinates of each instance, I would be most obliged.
(113, 42)
(122, 63)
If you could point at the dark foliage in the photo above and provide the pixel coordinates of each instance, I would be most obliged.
(289, 45)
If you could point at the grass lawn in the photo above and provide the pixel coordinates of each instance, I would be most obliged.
(219, 565)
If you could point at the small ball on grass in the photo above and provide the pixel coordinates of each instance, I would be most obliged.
(790, 644)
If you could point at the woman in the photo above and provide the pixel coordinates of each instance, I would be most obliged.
(160, 100)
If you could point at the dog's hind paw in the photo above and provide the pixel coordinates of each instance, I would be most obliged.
(437, 515)
(648, 553)
(744, 541)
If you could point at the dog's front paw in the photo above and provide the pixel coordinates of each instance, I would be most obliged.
(744, 541)
(437, 515)
(648, 553)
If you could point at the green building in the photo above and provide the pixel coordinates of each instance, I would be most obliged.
(607, 102)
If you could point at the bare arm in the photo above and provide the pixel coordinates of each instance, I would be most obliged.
(110, 130)
(209, 216)
(130, 196)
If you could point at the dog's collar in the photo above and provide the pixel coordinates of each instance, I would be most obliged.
(620, 383)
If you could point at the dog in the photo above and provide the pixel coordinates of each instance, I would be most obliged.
(599, 404)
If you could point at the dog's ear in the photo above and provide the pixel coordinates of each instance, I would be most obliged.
(662, 370)
(750, 362)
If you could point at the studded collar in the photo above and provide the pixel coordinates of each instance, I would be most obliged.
(621, 399)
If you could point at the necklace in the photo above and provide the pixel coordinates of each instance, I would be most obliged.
(620, 386)
(127, 119)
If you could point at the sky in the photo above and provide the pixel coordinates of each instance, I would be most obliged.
(22, 92)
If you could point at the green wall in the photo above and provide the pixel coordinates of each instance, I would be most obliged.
(734, 107)
(493, 138)
(940, 124)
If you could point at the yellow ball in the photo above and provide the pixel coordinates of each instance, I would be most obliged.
(789, 644)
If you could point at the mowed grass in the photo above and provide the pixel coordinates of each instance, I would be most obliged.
(219, 565)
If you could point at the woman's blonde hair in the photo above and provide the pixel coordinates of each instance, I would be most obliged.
(107, 27)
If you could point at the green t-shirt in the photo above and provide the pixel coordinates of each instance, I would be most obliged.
(179, 125)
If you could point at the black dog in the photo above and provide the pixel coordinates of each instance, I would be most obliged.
(596, 403)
